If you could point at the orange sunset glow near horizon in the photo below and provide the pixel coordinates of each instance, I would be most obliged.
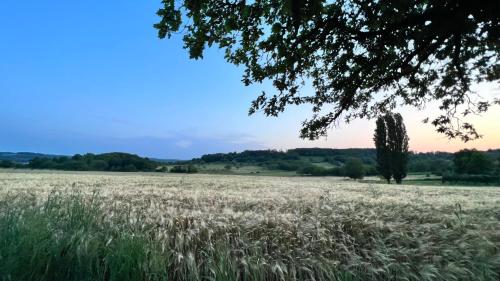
(423, 137)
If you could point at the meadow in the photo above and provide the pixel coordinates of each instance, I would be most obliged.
(146, 226)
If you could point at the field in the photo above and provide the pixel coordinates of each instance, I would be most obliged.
(123, 226)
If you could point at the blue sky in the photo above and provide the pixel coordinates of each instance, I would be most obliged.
(91, 76)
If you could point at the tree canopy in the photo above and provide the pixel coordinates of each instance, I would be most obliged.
(362, 58)
(116, 161)
(354, 169)
(473, 162)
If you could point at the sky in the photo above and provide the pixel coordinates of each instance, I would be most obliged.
(92, 76)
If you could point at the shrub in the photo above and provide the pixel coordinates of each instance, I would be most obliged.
(473, 162)
(187, 169)
(6, 164)
(371, 170)
(162, 169)
(465, 178)
(354, 169)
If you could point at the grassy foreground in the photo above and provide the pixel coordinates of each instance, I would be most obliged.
(143, 227)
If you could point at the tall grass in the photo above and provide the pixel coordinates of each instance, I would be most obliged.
(69, 234)
(67, 238)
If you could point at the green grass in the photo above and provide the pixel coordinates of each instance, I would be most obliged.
(67, 238)
(325, 165)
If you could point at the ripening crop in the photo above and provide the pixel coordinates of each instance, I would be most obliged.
(98, 226)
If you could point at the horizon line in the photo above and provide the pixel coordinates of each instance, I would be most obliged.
(269, 149)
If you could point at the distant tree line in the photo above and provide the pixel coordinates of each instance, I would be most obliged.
(309, 161)
(473, 166)
(333, 156)
(463, 166)
(184, 169)
(437, 163)
(295, 159)
(9, 164)
(115, 162)
(353, 168)
(391, 142)
(301, 160)
(119, 162)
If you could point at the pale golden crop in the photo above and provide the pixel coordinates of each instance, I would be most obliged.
(292, 223)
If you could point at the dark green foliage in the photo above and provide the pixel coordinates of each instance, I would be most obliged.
(498, 166)
(371, 170)
(7, 164)
(354, 169)
(118, 162)
(361, 58)
(162, 169)
(391, 142)
(399, 149)
(473, 162)
(285, 165)
(381, 145)
(429, 162)
(300, 160)
(354, 152)
(98, 165)
(338, 156)
(317, 171)
(471, 179)
(253, 156)
(184, 169)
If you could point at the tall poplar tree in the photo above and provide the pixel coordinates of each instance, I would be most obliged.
(380, 139)
(399, 153)
(391, 142)
(391, 132)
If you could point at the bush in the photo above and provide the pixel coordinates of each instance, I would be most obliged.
(482, 179)
(187, 169)
(371, 170)
(354, 169)
(7, 164)
(473, 162)
(161, 169)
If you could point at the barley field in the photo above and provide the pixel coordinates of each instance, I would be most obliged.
(97, 226)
